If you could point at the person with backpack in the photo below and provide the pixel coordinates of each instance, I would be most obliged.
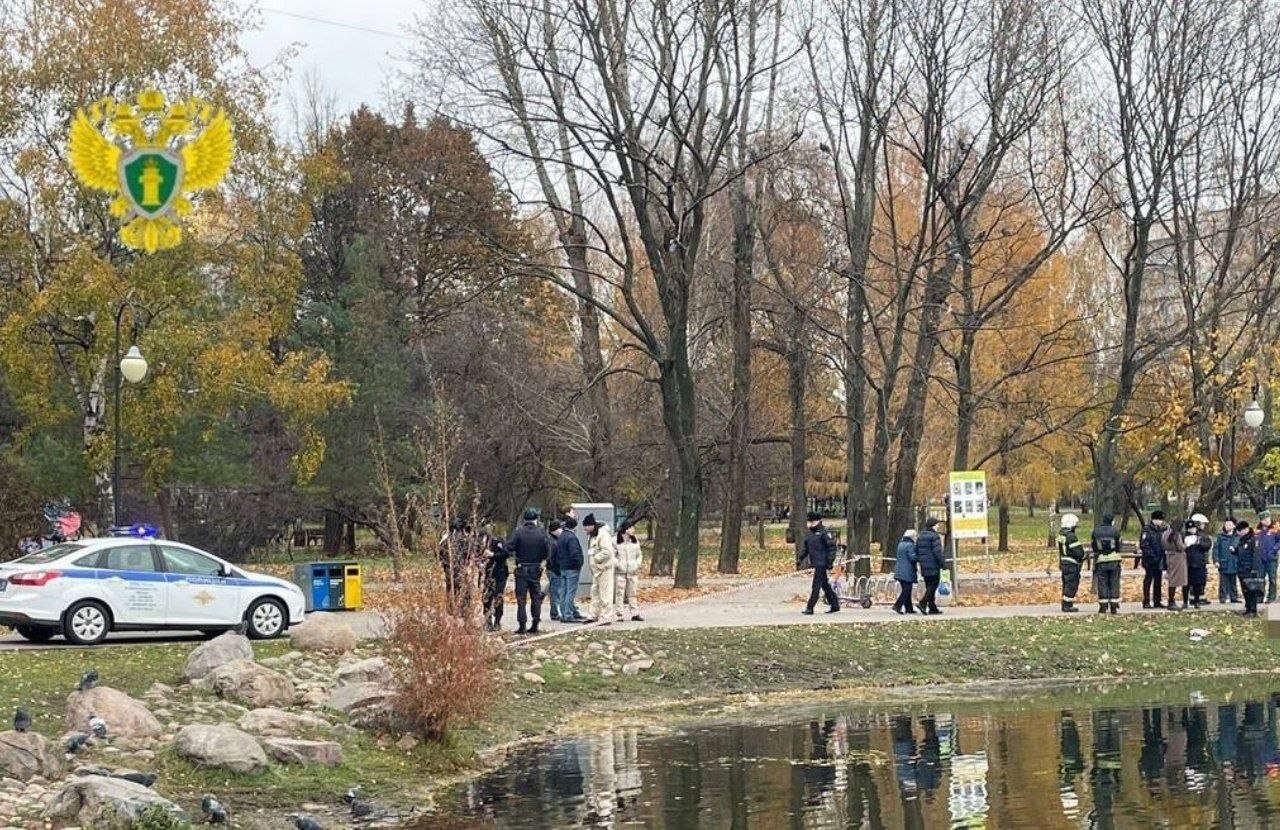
(1249, 568)
(932, 562)
(1198, 543)
(1151, 553)
(1070, 561)
(1175, 563)
(1105, 542)
(1224, 555)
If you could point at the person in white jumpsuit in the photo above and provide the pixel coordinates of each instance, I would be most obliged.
(602, 557)
(627, 577)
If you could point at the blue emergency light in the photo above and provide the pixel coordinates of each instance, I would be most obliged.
(139, 531)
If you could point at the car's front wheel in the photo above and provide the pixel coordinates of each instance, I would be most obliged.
(266, 619)
(36, 633)
(86, 623)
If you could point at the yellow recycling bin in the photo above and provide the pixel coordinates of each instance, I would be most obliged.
(353, 585)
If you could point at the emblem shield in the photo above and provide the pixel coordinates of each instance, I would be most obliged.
(151, 179)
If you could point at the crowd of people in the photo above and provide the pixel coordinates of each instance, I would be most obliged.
(476, 558)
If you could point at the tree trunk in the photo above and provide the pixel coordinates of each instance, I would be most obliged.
(164, 502)
(599, 480)
(797, 369)
(664, 549)
(966, 401)
(678, 401)
(739, 416)
(1003, 545)
(1031, 505)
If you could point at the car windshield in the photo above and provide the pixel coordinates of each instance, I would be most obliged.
(44, 557)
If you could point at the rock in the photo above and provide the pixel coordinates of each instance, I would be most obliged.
(530, 677)
(637, 666)
(279, 723)
(159, 690)
(373, 670)
(407, 743)
(541, 654)
(92, 799)
(321, 632)
(348, 699)
(220, 746)
(573, 659)
(594, 647)
(607, 673)
(294, 751)
(223, 649)
(125, 716)
(256, 685)
(27, 755)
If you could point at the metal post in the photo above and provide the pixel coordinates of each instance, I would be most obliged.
(1231, 472)
(115, 466)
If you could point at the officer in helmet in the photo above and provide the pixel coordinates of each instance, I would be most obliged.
(1071, 560)
(1105, 542)
(1199, 542)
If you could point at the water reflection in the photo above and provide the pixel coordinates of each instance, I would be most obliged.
(1201, 764)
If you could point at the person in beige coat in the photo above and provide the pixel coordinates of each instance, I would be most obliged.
(627, 578)
(602, 557)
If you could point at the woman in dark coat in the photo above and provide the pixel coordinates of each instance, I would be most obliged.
(1249, 568)
(904, 570)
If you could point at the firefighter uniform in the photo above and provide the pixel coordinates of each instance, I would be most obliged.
(1106, 565)
(1071, 561)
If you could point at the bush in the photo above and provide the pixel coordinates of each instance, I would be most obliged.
(445, 666)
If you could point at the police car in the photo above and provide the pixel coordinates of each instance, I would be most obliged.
(86, 589)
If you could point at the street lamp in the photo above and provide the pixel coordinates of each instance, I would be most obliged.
(1253, 418)
(133, 368)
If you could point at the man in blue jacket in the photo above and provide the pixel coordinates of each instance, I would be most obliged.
(1224, 554)
(932, 562)
(820, 548)
(1268, 547)
(569, 557)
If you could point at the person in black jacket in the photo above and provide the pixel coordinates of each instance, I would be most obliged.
(1249, 568)
(569, 553)
(554, 580)
(1070, 560)
(820, 549)
(531, 546)
(932, 562)
(1151, 551)
(495, 583)
(1199, 542)
(1106, 564)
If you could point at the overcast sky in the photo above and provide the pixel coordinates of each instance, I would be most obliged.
(350, 44)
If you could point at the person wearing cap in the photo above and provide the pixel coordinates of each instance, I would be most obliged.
(555, 581)
(530, 546)
(904, 570)
(820, 550)
(1151, 552)
(932, 562)
(1224, 555)
(1105, 542)
(602, 556)
(1268, 546)
(1249, 568)
(569, 553)
(1198, 543)
(1070, 560)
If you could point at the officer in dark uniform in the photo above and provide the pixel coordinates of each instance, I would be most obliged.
(1070, 765)
(531, 546)
(495, 583)
(1106, 564)
(820, 550)
(1071, 560)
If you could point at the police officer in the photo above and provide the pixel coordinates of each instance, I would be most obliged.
(1105, 542)
(531, 546)
(1071, 560)
(820, 549)
(1199, 543)
(495, 583)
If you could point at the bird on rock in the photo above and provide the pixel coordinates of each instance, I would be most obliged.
(21, 721)
(304, 822)
(146, 779)
(213, 810)
(76, 742)
(88, 681)
(98, 727)
(352, 795)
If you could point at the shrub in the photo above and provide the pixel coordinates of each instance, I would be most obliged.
(445, 666)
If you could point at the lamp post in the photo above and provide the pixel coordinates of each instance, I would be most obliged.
(133, 368)
(1253, 418)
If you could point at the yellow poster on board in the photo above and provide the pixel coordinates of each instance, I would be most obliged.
(968, 495)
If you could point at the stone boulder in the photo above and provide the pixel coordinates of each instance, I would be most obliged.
(294, 751)
(26, 755)
(96, 799)
(280, 723)
(349, 699)
(323, 632)
(252, 684)
(221, 650)
(373, 670)
(220, 746)
(125, 717)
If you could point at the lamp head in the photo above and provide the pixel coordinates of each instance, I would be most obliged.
(1254, 415)
(133, 366)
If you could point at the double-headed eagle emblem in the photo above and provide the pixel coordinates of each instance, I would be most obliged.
(149, 154)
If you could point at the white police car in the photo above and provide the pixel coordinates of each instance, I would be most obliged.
(84, 590)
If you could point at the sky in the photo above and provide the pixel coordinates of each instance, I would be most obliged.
(349, 44)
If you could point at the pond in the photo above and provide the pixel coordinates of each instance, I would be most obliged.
(1150, 756)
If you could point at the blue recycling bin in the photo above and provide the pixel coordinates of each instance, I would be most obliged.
(325, 584)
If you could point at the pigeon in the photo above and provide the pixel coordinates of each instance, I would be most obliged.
(352, 796)
(88, 681)
(98, 727)
(304, 822)
(363, 809)
(146, 779)
(21, 721)
(76, 742)
(213, 810)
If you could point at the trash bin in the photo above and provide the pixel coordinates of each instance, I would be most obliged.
(353, 583)
(337, 586)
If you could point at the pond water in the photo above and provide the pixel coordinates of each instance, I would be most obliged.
(1086, 758)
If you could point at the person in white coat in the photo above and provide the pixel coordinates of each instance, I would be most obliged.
(602, 557)
(627, 577)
